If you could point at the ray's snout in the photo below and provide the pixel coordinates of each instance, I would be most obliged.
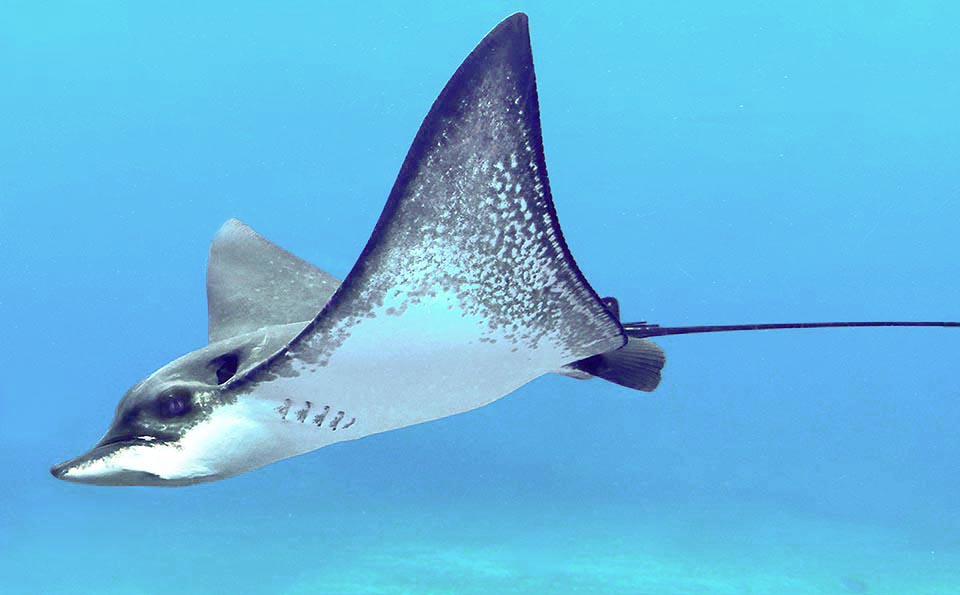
(90, 467)
(65, 470)
(60, 470)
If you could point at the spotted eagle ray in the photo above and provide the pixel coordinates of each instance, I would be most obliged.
(465, 292)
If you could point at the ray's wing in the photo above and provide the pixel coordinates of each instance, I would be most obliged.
(466, 279)
(253, 283)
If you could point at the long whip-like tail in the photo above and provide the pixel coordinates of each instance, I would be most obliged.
(638, 363)
(642, 330)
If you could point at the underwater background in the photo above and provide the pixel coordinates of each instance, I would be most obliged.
(710, 162)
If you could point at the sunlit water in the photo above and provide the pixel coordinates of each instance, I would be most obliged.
(711, 163)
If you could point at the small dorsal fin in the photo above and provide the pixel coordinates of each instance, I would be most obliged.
(253, 283)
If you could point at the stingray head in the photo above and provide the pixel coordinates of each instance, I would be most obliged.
(180, 426)
(183, 424)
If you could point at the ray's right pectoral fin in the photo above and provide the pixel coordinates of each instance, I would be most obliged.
(469, 238)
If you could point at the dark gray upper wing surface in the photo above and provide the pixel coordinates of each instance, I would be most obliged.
(470, 226)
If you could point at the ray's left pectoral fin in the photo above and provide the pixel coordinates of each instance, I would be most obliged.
(253, 283)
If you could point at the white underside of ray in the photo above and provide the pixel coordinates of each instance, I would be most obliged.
(432, 361)
(232, 440)
(193, 457)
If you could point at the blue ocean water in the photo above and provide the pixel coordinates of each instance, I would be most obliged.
(710, 163)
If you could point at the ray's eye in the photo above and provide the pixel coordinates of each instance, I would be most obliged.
(174, 404)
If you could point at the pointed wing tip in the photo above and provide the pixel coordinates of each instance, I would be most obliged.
(519, 22)
(232, 225)
(512, 32)
(232, 231)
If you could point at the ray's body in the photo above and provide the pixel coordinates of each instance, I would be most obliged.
(465, 291)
